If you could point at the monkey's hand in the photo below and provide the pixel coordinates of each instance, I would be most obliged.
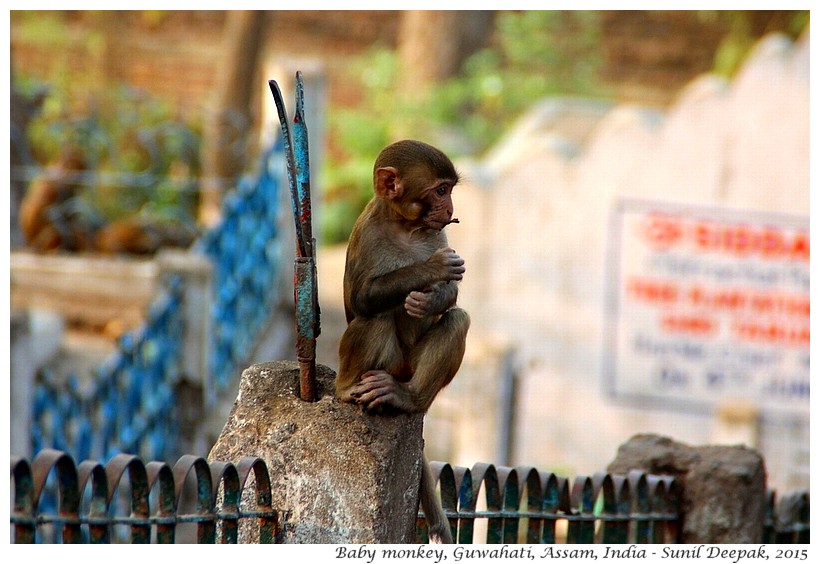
(378, 390)
(449, 266)
(417, 304)
(431, 302)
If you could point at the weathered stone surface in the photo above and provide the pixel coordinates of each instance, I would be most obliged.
(344, 476)
(723, 487)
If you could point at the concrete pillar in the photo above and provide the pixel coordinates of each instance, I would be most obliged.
(36, 336)
(723, 488)
(345, 477)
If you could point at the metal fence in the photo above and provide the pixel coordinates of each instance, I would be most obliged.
(126, 405)
(245, 251)
(485, 504)
(788, 520)
(523, 505)
(89, 509)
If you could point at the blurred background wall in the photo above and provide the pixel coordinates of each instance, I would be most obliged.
(554, 119)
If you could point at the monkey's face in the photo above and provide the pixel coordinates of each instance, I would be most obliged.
(436, 205)
(421, 196)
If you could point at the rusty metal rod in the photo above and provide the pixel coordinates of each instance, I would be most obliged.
(305, 280)
(289, 160)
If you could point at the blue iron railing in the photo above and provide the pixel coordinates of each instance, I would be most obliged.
(245, 253)
(128, 405)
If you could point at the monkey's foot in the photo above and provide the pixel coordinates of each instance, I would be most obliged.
(378, 389)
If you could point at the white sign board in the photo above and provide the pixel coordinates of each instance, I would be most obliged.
(707, 305)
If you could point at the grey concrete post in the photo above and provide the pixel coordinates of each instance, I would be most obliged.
(345, 477)
(35, 338)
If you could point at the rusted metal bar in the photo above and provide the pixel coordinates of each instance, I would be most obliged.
(531, 482)
(485, 477)
(138, 480)
(306, 300)
(464, 486)
(508, 477)
(305, 279)
(582, 531)
(556, 497)
(604, 487)
(268, 525)
(616, 531)
(206, 528)
(98, 504)
(226, 472)
(640, 508)
(68, 487)
(23, 510)
(161, 478)
(657, 498)
(306, 290)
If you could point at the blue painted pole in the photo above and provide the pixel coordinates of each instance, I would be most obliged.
(305, 281)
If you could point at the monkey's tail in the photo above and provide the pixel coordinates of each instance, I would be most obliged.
(437, 522)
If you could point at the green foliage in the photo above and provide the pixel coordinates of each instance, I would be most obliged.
(362, 132)
(41, 27)
(533, 54)
(798, 22)
(145, 161)
(538, 53)
(742, 36)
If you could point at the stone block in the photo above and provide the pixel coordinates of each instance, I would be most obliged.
(723, 488)
(345, 477)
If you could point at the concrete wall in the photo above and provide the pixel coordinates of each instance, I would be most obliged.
(533, 233)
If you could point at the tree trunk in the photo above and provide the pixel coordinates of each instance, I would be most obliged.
(432, 47)
(434, 44)
(225, 151)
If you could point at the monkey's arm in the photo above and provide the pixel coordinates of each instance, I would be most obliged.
(372, 295)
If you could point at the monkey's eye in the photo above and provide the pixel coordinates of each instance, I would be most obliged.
(441, 190)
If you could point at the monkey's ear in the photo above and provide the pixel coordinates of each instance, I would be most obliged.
(387, 183)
